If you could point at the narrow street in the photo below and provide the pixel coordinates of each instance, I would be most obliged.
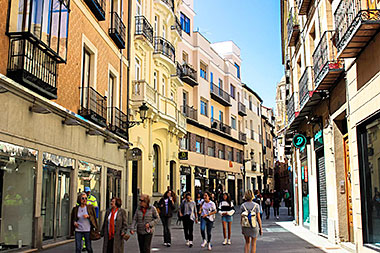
(274, 239)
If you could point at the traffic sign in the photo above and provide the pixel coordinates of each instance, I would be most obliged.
(299, 141)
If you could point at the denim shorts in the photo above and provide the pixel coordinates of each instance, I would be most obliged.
(227, 218)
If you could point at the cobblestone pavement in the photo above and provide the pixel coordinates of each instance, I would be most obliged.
(275, 239)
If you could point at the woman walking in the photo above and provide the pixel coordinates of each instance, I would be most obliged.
(226, 210)
(208, 211)
(167, 206)
(188, 214)
(145, 220)
(198, 202)
(83, 221)
(250, 230)
(114, 228)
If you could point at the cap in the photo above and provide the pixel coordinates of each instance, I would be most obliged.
(87, 189)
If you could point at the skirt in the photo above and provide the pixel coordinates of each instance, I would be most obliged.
(250, 232)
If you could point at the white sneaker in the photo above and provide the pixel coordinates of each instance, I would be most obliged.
(187, 243)
(204, 244)
(165, 244)
(191, 244)
(225, 242)
(229, 242)
(209, 247)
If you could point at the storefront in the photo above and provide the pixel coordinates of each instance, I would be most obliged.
(185, 179)
(200, 180)
(305, 187)
(232, 187)
(17, 186)
(89, 175)
(113, 185)
(369, 162)
(212, 180)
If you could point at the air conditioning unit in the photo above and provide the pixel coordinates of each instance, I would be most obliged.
(214, 125)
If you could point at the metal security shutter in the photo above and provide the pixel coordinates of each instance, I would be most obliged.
(322, 195)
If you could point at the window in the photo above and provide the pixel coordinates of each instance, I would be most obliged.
(185, 57)
(221, 116)
(211, 77)
(230, 154)
(164, 31)
(232, 91)
(212, 113)
(137, 69)
(111, 98)
(203, 107)
(156, 169)
(138, 8)
(163, 87)
(220, 83)
(237, 70)
(184, 143)
(211, 148)
(155, 80)
(185, 23)
(250, 103)
(221, 152)
(155, 26)
(199, 145)
(203, 71)
(233, 122)
(239, 156)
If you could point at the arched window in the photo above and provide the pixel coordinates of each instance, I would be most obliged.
(156, 169)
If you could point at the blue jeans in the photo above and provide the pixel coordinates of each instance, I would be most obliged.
(78, 241)
(206, 223)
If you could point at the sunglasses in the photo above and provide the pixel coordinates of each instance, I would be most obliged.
(84, 198)
(142, 200)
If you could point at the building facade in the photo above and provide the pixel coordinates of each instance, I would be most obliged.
(330, 50)
(268, 147)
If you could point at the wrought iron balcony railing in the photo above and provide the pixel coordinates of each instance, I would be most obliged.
(242, 109)
(33, 67)
(93, 106)
(303, 6)
(220, 95)
(164, 47)
(117, 30)
(187, 74)
(293, 29)
(177, 26)
(144, 28)
(98, 8)
(242, 137)
(356, 22)
(305, 85)
(216, 124)
(327, 67)
(190, 112)
(169, 3)
(118, 122)
(290, 109)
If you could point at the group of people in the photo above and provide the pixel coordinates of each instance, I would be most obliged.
(272, 198)
(114, 230)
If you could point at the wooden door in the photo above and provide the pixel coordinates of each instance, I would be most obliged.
(350, 221)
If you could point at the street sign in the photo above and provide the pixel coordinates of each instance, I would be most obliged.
(299, 141)
(183, 155)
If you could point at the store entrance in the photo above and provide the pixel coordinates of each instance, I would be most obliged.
(232, 189)
(135, 191)
(113, 185)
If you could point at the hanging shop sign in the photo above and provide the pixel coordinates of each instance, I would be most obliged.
(134, 154)
(299, 141)
(183, 155)
(318, 140)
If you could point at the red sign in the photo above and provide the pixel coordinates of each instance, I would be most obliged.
(230, 164)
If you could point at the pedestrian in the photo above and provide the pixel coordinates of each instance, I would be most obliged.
(91, 200)
(268, 203)
(287, 200)
(276, 204)
(166, 206)
(198, 202)
(188, 214)
(144, 222)
(115, 228)
(83, 221)
(226, 210)
(250, 212)
(259, 200)
(208, 211)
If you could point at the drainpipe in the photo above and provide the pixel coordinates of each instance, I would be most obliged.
(128, 59)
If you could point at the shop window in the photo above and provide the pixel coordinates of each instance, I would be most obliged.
(113, 185)
(89, 175)
(17, 180)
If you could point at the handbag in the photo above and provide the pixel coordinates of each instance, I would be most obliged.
(94, 235)
(126, 237)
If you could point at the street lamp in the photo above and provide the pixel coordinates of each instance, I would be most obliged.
(143, 111)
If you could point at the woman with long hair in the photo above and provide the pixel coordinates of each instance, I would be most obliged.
(226, 210)
(166, 206)
(208, 211)
(250, 216)
(188, 214)
(115, 227)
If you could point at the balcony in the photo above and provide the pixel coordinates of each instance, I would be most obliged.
(31, 66)
(242, 137)
(327, 67)
(143, 92)
(98, 8)
(220, 95)
(164, 47)
(216, 124)
(305, 87)
(93, 106)
(303, 6)
(118, 122)
(144, 28)
(177, 26)
(290, 109)
(242, 109)
(357, 22)
(187, 74)
(293, 29)
(190, 112)
(169, 3)
(117, 30)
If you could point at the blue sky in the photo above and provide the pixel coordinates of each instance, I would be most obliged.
(254, 25)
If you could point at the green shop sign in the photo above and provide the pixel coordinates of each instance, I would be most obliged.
(299, 141)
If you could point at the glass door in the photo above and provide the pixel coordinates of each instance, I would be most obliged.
(63, 204)
(48, 200)
(113, 185)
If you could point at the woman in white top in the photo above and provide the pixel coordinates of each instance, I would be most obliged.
(208, 211)
(226, 210)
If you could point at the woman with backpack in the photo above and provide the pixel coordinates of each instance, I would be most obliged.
(226, 210)
(250, 222)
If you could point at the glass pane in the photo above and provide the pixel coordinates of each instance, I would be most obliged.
(63, 204)
(19, 16)
(48, 200)
(63, 32)
(89, 175)
(113, 185)
(36, 17)
(55, 25)
(46, 21)
(17, 178)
